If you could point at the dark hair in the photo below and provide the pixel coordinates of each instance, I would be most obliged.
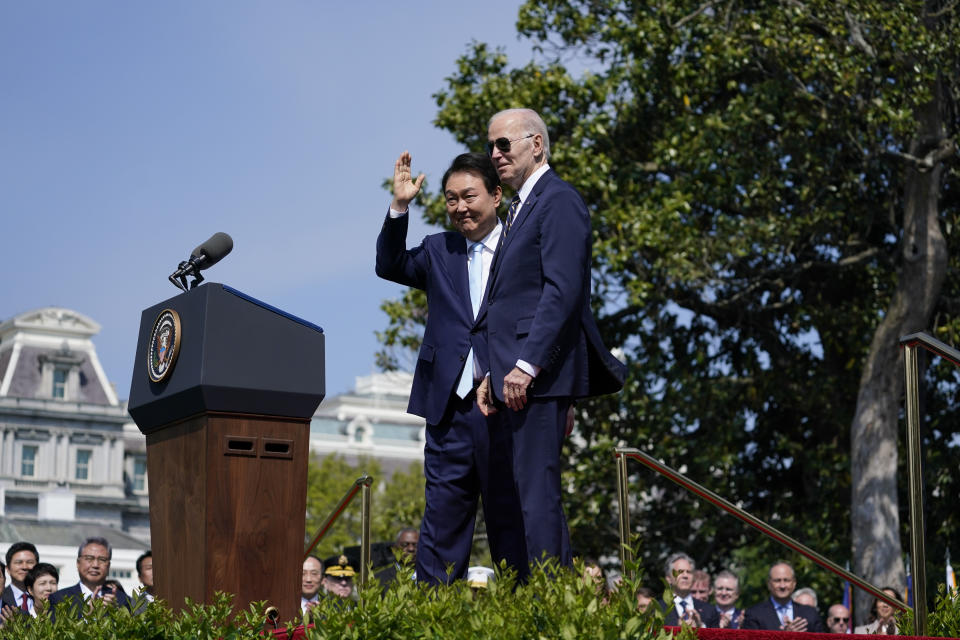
(143, 556)
(478, 163)
(17, 547)
(96, 540)
(39, 570)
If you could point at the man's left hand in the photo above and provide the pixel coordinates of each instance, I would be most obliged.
(515, 386)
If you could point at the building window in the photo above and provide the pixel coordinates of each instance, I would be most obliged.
(83, 464)
(59, 383)
(139, 474)
(28, 461)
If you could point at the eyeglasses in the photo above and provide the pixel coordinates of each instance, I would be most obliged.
(92, 559)
(503, 144)
(839, 619)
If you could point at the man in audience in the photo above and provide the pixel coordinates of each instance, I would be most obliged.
(701, 585)
(93, 565)
(838, 619)
(405, 547)
(645, 596)
(338, 579)
(145, 573)
(678, 571)
(779, 612)
(310, 582)
(21, 557)
(726, 591)
(805, 596)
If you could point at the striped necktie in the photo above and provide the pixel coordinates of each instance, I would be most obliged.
(511, 213)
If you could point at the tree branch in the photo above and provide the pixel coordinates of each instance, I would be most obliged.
(944, 150)
(684, 20)
(856, 34)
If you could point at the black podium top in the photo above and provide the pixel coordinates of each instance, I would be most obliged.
(236, 354)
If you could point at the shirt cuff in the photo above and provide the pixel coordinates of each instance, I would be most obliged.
(529, 369)
(397, 214)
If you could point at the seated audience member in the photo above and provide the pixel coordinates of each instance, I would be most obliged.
(310, 583)
(678, 571)
(145, 573)
(41, 583)
(779, 612)
(21, 557)
(805, 596)
(93, 565)
(882, 617)
(594, 574)
(405, 549)
(701, 585)
(838, 619)
(644, 597)
(338, 579)
(726, 591)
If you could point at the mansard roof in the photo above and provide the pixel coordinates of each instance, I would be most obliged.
(33, 341)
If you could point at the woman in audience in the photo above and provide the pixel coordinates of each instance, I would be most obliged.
(882, 617)
(40, 582)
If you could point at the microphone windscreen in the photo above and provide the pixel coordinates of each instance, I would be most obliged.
(213, 250)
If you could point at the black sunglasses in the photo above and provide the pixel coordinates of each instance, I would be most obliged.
(840, 619)
(503, 144)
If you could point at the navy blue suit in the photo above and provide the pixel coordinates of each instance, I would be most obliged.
(466, 454)
(538, 310)
(708, 614)
(764, 616)
(74, 596)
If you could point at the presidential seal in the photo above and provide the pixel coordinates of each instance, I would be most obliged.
(164, 345)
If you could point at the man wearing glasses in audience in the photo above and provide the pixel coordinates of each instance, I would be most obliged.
(93, 565)
(838, 619)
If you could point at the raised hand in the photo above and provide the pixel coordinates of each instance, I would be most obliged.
(405, 188)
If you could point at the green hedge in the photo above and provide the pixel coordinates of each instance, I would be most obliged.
(554, 604)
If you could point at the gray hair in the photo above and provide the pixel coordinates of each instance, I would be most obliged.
(726, 573)
(96, 540)
(531, 121)
(679, 555)
(805, 591)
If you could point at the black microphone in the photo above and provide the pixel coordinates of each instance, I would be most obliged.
(204, 256)
(212, 251)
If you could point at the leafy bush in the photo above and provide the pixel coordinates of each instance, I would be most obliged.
(942, 622)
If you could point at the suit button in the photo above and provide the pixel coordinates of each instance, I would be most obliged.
(463, 358)
(474, 332)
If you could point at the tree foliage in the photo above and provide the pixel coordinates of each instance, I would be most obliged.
(749, 167)
(396, 501)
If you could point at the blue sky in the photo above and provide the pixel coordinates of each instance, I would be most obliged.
(132, 131)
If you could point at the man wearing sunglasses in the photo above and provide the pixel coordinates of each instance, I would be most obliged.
(544, 347)
(838, 619)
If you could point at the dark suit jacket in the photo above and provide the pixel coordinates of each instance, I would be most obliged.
(74, 596)
(439, 267)
(708, 614)
(764, 616)
(733, 619)
(538, 299)
(7, 598)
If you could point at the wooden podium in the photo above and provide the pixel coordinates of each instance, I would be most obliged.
(224, 387)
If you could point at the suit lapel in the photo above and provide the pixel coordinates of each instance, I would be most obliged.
(455, 269)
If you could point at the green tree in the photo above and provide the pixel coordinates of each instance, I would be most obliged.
(396, 501)
(773, 195)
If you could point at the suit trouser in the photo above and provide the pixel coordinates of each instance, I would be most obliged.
(537, 432)
(467, 456)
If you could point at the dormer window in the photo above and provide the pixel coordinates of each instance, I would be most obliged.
(60, 382)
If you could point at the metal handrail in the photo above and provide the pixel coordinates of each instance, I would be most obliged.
(910, 343)
(360, 484)
(622, 453)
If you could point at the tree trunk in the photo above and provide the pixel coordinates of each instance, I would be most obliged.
(877, 550)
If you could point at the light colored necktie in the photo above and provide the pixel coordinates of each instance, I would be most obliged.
(475, 271)
(511, 213)
(782, 613)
